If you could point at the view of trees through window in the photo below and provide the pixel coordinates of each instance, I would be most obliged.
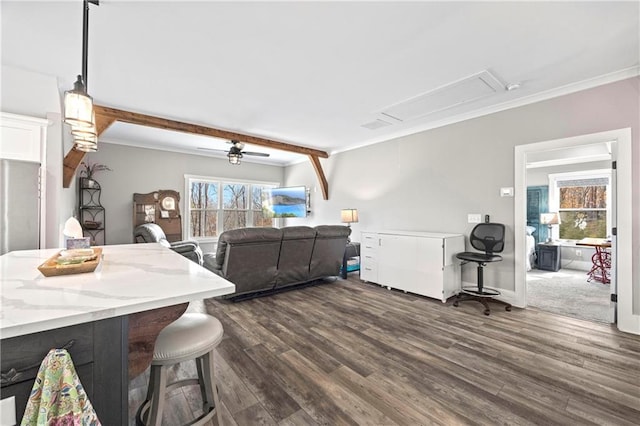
(583, 212)
(215, 207)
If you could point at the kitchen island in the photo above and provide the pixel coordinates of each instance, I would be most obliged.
(93, 314)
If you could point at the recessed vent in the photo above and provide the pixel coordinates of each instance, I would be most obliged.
(468, 89)
(376, 124)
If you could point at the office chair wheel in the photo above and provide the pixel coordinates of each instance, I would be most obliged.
(507, 308)
(487, 311)
(455, 303)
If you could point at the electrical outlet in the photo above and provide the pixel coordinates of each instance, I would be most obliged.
(578, 253)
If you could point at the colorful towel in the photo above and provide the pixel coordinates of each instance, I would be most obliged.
(57, 397)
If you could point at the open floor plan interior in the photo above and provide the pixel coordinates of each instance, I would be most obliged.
(348, 352)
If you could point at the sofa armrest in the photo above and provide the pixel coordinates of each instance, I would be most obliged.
(184, 246)
(189, 249)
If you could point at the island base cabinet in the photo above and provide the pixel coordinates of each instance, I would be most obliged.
(417, 262)
(99, 353)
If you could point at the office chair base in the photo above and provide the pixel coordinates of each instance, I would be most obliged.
(484, 296)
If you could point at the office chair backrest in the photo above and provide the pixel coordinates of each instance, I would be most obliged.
(488, 237)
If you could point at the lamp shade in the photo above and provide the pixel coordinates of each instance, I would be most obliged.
(549, 218)
(349, 215)
(78, 106)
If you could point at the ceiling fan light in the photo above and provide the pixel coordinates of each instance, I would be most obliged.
(78, 106)
(234, 158)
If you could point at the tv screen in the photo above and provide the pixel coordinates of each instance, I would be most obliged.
(285, 202)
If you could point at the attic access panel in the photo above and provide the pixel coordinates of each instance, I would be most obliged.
(466, 90)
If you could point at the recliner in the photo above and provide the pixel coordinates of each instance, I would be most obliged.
(153, 233)
(488, 237)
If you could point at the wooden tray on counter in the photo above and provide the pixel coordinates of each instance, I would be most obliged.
(51, 269)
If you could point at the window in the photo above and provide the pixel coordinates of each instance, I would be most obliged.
(216, 206)
(583, 201)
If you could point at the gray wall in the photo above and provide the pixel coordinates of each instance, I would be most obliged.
(431, 180)
(137, 170)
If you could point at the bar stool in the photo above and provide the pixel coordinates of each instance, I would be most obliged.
(193, 336)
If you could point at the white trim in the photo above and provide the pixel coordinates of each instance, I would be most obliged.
(628, 321)
(37, 130)
(515, 103)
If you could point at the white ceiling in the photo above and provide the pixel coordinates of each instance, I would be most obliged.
(313, 73)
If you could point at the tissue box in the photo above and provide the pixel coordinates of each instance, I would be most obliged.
(76, 243)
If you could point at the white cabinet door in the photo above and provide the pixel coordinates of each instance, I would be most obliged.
(412, 264)
(429, 273)
(397, 254)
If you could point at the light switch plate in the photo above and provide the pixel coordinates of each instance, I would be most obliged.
(506, 192)
(474, 218)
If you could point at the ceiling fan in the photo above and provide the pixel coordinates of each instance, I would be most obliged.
(236, 152)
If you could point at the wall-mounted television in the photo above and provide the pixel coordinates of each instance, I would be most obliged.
(285, 202)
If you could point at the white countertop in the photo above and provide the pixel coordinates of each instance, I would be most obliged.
(131, 278)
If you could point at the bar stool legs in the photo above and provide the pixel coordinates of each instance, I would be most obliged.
(190, 337)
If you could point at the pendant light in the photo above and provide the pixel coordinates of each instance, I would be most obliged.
(78, 105)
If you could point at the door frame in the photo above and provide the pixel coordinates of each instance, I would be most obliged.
(627, 320)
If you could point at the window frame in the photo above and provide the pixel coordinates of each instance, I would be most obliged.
(554, 195)
(220, 182)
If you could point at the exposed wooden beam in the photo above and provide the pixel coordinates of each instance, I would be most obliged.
(315, 161)
(70, 163)
(105, 116)
(163, 123)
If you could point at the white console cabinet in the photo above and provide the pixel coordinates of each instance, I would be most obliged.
(418, 262)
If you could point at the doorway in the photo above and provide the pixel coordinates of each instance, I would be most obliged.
(572, 186)
(621, 242)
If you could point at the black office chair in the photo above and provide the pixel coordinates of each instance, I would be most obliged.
(488, 237)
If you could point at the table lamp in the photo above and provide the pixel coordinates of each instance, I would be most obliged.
(349, 216)
(550, 219)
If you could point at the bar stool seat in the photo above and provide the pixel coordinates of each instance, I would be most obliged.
(193, 336)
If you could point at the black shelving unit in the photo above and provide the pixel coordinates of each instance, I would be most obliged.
(91, 213)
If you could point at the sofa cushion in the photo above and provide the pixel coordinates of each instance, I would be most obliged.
(295, 255)
(248, 257)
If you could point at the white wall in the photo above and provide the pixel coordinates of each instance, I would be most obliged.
(432, 180)
(138, 170)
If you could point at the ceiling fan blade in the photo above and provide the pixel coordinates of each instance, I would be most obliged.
(213, 149)
(257, 154)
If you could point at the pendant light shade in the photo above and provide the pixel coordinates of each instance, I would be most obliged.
(89, 144)
(78, 106)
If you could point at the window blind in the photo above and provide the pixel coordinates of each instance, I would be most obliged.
(601, 181)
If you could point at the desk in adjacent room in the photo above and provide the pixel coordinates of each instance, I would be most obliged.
(97, 315)
(601, 259)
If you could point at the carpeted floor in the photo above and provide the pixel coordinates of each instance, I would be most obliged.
(568, 293)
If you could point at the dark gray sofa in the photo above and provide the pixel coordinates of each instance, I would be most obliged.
(266, 259)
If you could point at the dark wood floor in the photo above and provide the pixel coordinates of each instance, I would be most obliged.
(354, 353)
